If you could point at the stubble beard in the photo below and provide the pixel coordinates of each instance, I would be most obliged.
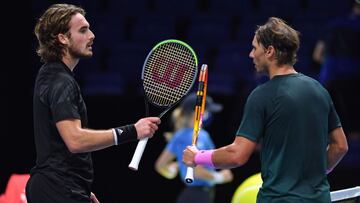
(77, 53)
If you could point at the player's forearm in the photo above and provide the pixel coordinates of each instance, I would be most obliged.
(93, 140)
(88, 140)
(337, 148)
(235, 154)
(334, 155)
(79, 140)
(228, 157)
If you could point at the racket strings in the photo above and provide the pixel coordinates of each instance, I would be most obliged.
(169, 73)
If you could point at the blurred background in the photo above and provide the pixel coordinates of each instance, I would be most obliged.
(220, 32)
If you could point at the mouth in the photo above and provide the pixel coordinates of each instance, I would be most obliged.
(89, 46)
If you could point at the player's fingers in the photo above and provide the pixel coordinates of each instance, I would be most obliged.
(153, 126)
(192, 148)
(187, 157)
(155, 120)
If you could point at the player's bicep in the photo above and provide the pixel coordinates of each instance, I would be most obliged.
(253, 121)
(69, 131)
(243, 147)
(63, 100)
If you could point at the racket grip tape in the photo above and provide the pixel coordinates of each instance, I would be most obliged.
(189, 177)
(134, 164)
(125, 134)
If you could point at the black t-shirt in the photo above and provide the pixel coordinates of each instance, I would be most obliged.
(57, 97)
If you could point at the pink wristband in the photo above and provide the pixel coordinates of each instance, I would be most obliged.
(203, 158)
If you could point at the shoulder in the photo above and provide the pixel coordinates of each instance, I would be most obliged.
(55, 72)
(203, 133)
(260, 92)
(62, 78)
(312, 81)
(53, 79)
(182, 134)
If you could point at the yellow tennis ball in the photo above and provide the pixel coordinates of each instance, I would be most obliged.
(248, 190)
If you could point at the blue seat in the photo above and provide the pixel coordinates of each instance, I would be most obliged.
(221, 83)
(247, 27)
(128, 8)
(231, 7)
(153, 29)
(176, 8)
(201, 50)
(329, 8)
(103, 83)
(310, 27)
(234, 59)
(127, 59)
(279, 8)
(211, 30)
(108, 30)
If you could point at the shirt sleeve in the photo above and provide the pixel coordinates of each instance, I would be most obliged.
(334, 120)
(63, 99)
(253, 120)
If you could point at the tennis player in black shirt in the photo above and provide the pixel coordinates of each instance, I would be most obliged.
(64, 172)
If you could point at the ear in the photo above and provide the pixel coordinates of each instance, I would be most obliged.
(270, 51)
(63, 38)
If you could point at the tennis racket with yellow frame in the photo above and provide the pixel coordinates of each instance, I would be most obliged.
(198, 115)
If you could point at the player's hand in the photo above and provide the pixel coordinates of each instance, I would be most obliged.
(227, 175)
(146, 127)
(93, 198)
(168, 136)
(189, 156)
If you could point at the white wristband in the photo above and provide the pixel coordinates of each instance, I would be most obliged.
(115, 137)
(218, 178)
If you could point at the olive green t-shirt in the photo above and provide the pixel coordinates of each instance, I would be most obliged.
(291, 115)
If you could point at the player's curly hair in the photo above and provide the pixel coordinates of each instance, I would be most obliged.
(54, 21)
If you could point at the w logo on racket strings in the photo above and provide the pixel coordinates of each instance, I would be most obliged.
(173, 74)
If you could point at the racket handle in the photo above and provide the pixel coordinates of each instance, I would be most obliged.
(138, 153)
(189, 178)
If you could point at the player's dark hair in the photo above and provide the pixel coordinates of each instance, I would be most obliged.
(285, 40)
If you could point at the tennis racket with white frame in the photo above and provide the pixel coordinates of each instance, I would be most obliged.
(168, 74)
(198, 115)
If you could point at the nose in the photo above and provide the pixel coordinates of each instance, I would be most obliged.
(92, 35)
(251, 54)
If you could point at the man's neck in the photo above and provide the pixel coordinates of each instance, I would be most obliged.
(70, 62)
(281, 70)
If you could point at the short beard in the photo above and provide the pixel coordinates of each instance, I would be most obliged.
(263, 71)
(77, 54)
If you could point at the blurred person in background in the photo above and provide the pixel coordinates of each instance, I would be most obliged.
(338, 53)
(202, 190)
